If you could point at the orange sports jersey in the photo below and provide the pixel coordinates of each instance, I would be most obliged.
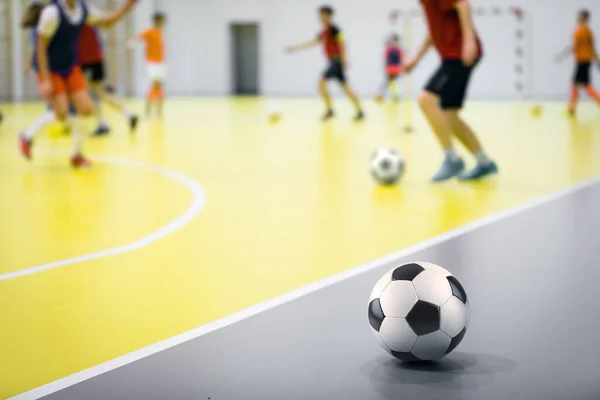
(155, 49)
(583, 44)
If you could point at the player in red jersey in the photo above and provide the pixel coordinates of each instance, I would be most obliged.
(335, 49)
(56, 63)
(91, 58)
(393, 67)
(452, 33)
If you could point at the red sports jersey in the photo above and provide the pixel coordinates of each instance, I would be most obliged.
(444, 27)
(90, 46)
(331, 38)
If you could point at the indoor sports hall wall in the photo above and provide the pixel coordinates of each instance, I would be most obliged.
(517, 53)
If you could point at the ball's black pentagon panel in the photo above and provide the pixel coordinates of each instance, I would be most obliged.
(424, 318)
(376, 315)
(406, 357)
(407, 272)
(457, 289)
(456, 340)
(386, 164)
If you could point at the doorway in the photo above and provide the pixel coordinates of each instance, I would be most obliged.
(245, 63)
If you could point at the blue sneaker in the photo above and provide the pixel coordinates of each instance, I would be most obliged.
(449, 169)
(479, 171)
(101, 130)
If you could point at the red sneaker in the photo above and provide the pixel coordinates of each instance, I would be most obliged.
(25, 146)
(79, 161)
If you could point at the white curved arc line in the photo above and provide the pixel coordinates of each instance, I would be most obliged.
(198, 201)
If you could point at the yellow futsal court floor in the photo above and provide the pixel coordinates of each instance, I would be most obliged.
(213, 209)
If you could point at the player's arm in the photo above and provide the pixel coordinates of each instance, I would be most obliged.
(131, 43)
(465, 17)
(108, 20)
(563, 54)
(339, 38)
(425, 46)
(305, 45)
(46, 28)
(596, 56)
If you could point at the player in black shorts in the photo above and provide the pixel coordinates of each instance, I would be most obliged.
(335, 50)
(91, 58)
(451, 31)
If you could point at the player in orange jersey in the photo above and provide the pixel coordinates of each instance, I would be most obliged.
(584, 52)
(155, 58)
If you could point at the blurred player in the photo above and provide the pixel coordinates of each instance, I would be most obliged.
(335, 50)
(393, 67)
(452, 32)
(56, 63)
(91, 58)
(585, 53)
(155, 59)
(29, 22)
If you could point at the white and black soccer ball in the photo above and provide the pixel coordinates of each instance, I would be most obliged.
(387, 166)
(418, 312)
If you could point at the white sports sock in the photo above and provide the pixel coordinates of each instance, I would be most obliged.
(481, 157)
(451, 155)
(38, 124)
(77, 136)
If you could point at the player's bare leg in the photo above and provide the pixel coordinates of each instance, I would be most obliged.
(85, 108)
(116, 104)
(573, 100)
(324, 91)
(593, 93)
(468, 138)
(452, 165)
(354, 99)
(160, 97)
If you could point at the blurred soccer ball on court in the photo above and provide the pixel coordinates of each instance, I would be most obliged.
(536, 111)
(274, 113)
(418, 312)
(387, 166)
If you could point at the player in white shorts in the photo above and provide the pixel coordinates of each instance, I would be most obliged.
(155, 59)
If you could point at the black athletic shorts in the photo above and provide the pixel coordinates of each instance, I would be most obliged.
(94, 72)
(335, 70)
(450, 83)
(582, 74)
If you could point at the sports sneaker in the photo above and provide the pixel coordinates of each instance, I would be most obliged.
(328, 115)
(25, 146)
(449, 169)
(479, 171)
(101, 130)
(79, 161)
(133, 122)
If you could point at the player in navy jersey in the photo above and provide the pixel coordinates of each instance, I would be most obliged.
(335, 50)
(393, 67)
(56, 63)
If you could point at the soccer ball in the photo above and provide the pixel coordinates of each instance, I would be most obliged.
(418, 312)
(274, 113)
(387, 166)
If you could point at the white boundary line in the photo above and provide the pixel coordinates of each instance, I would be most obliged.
(198, 201)
(111, 365)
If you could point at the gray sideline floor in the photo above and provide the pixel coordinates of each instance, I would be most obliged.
(533, 280)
